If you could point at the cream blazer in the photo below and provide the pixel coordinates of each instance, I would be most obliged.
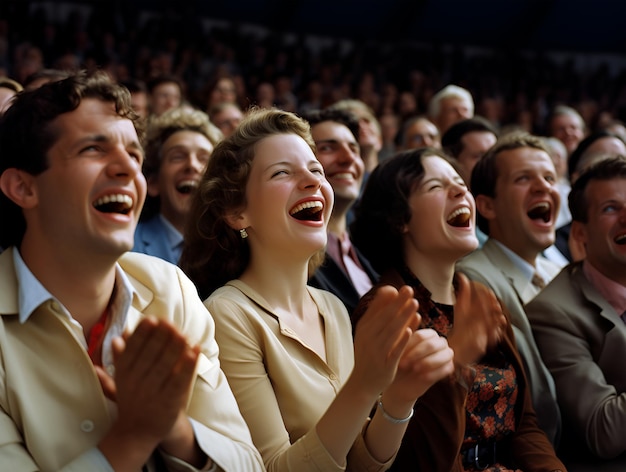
(53, 409)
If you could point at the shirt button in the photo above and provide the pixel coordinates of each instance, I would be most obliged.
(86, 426)
(55, 307)
(333, 377)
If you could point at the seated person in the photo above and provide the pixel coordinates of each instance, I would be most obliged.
(345, 272)
(305, 390)
(579, 323)
(514, 185)
(415, 220)
(178, 146)
(109, 360)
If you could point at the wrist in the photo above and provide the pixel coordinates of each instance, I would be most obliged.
(393, 413)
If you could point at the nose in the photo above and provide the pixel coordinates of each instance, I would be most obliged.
(123, 164)
(347, 155)
(311, 179)
(194, 163)
(543, 185)
(457, 190)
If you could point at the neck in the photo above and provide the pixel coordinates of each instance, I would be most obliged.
(338, 223)
(435, 274)
(527, 254)
(82, 283)
(177, 221)
(281, 280)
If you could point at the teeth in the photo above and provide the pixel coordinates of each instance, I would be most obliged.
(457, 212)
(543, 206)
(343, 175)
(621, 239)
(115, 198)
(305, 205)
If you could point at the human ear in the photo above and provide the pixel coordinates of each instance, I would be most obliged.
(578, 232)
(237, 220)
(19, 187)
(485, 206)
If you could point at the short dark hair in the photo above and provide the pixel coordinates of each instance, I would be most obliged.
(605, 169)
(451, 141)
(384, 209)
(577, 158)
(154, 82)
(485, 173)
(27, 133)
(344, 117)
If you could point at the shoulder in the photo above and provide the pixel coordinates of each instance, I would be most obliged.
(327, 299)
(150, 270)
(476, 259)
(559, 290)
(149, 227)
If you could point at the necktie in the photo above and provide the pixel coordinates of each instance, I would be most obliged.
(538, 281)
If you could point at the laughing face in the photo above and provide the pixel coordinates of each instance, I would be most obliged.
(523, 212)
(443, 214)
(338, 151)
(185, 155)
(604, 233)
(288, 199)
(90, 197)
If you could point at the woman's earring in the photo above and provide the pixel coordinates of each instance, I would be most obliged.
(243, 233)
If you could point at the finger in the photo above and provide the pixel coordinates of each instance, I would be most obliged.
(107, 383)
(404, 321)
(153, 351)
(179, 382)
(423, 343)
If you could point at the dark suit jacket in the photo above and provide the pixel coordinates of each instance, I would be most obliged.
(331, 277)
(583, 342)
(434, 437)
(562, 240)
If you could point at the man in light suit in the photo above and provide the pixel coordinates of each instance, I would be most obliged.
(517, 203)
(108, 360)
(579, 323)
(178, 148)
(345, 271)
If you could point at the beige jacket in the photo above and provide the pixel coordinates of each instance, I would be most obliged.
(53, 410)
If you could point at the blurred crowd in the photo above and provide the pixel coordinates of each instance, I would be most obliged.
(296, 73)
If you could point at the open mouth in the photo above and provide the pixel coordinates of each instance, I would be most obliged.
(116, 203)
(308, 211)
(620, 239)
(343, 176)
(459, 218)
(187, 186)
(541, 211)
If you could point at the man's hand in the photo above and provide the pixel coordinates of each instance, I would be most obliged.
(154, 371)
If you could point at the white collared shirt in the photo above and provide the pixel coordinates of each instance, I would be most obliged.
(33, 294)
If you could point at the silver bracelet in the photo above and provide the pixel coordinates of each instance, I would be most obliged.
(390, 418)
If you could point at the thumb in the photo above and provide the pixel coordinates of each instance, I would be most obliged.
(107, 383)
